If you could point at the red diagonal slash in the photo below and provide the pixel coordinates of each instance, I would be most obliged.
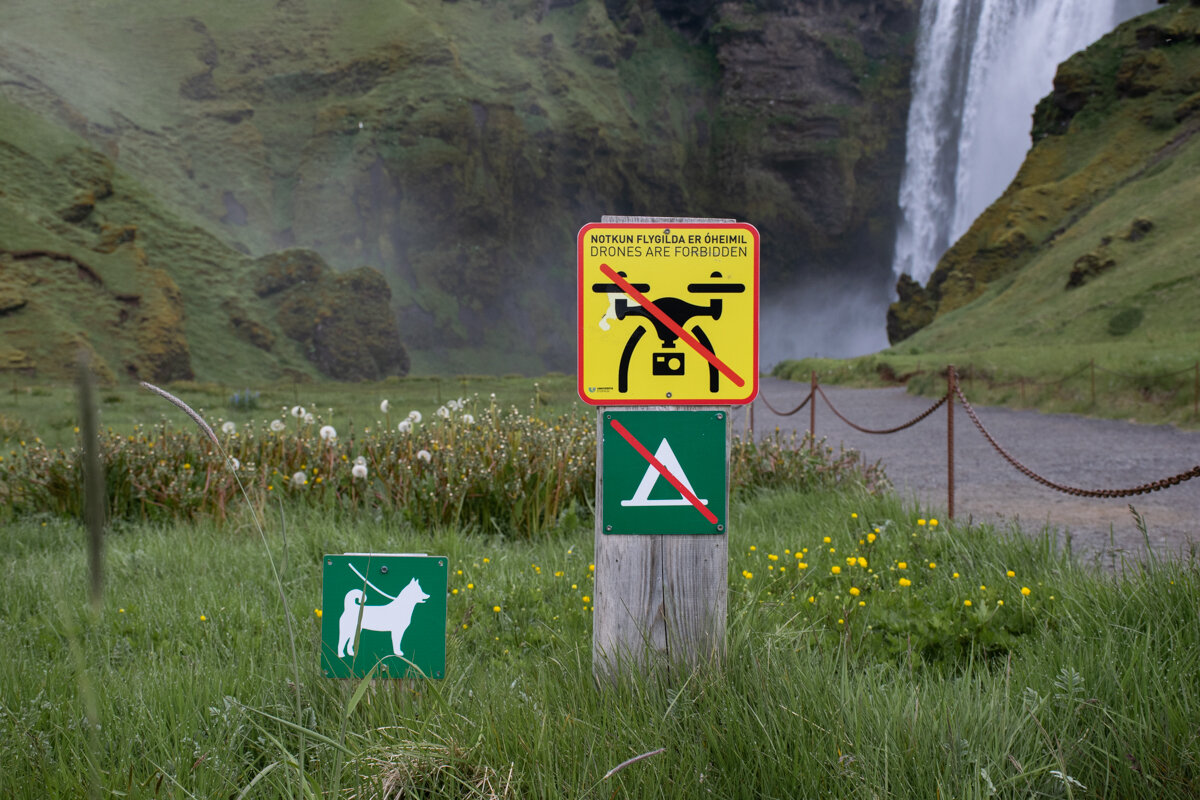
(657, 313)
(688, 495)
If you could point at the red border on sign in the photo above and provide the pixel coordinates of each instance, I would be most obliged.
(621, 400)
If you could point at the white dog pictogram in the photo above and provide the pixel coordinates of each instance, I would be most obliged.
(393, 617)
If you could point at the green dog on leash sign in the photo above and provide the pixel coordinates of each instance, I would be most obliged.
(383, 611)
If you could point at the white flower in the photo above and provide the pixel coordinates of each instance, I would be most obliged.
(309, 419)
(383, 407)
(229, 426)
(298, 412)
(405, 426)
(359, 471)
(299, 478)
(468, 418)
(277, 425)
(443, 412)
(360, 460)
(415, 416)
(425, 455)
(328, 433)
(234, 464)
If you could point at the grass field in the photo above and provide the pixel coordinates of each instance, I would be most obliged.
(873, 651)
(850, 685)
(50, 411)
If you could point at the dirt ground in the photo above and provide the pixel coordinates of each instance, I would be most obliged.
(1067, 449)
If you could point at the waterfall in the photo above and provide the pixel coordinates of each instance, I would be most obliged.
(981, 68)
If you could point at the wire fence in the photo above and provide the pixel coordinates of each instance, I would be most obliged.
(954, 396)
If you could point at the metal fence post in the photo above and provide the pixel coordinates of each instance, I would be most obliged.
(951, 382)
(812, 412)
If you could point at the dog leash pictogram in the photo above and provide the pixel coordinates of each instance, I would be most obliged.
(368, 583)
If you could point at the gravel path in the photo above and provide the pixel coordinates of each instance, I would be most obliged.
(1076, 451)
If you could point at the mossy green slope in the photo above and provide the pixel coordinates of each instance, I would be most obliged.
(1097, 219)
(89, 259)
(1092, 254)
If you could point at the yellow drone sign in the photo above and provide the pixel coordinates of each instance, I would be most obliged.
(668, 313)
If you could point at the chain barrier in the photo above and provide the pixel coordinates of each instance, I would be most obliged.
(896, 429)
(1144, 488)
(777, 413)
(955, 390)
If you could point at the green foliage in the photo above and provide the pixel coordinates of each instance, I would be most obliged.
(912, 694)
(1125, 321)
(470, 464)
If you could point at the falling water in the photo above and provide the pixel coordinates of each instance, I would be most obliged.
(982, 66)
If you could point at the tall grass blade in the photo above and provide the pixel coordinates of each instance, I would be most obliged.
(93, 478)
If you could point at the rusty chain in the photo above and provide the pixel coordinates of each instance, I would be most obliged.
(1145, 488)
(771, 408)
(908, 424)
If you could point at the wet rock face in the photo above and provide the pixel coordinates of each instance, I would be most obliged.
(824, 86)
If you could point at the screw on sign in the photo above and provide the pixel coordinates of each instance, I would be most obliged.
(694, 287)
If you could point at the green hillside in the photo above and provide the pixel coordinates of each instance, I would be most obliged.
(1093, 252)
(89, 259)
(458, 147)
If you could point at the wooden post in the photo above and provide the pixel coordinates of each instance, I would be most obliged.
(750, 422)
(812, 412)
(950, 387)
(659, 601)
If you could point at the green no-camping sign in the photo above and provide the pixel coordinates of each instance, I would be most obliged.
(664, 472)
(385, 611)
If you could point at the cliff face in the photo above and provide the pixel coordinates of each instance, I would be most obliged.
(89, 260)
(457, 147)
(1122, 111)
